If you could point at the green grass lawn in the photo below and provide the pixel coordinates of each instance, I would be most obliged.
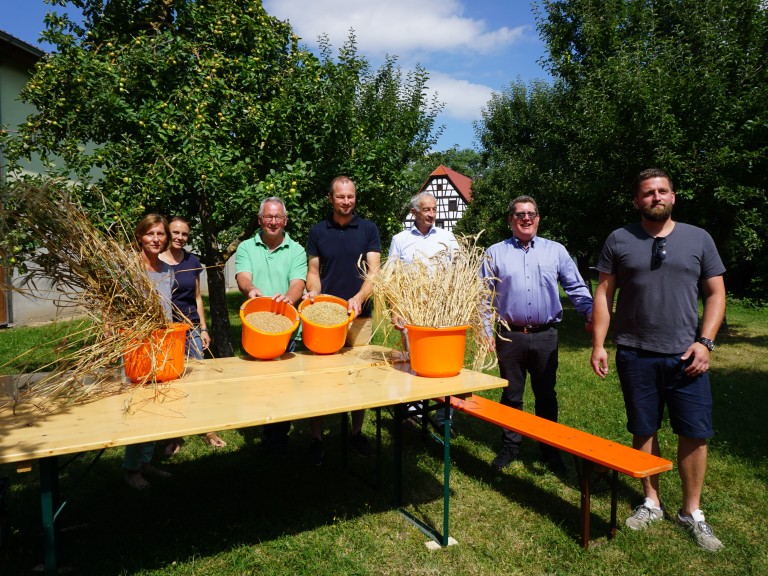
(234, 512)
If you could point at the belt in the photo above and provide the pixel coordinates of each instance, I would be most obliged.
(528, 329)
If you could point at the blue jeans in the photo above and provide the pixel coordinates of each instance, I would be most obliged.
(138, 454)
(194, 345)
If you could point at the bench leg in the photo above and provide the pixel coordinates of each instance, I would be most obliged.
(614, 502)
(585, 484)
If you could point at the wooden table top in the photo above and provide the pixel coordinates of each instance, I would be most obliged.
(228, 393)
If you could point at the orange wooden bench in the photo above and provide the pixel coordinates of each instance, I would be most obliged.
(588, 449)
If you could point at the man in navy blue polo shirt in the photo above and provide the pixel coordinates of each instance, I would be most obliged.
(341, 249)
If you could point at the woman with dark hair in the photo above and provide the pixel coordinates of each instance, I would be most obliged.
(188, 306)
(152, 237)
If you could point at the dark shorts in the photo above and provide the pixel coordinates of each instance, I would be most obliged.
(650, 381)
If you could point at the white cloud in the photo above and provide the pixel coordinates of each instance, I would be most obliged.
(462, 54)
(394, 26)
(463, 99)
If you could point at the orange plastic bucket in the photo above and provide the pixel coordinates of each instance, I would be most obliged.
(322, 339)
(437, 352)
(158, 359)
(267, 345)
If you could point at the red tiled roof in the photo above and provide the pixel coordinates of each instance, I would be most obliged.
(463, 184)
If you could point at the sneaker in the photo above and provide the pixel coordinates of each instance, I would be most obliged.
(507, 455)
(644, 515)
(360, 444)
(316, 452)
(700, 530)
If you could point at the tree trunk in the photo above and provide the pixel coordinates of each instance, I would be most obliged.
(221, 341)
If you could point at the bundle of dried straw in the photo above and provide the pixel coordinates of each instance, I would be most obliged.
(443, 291)
(101, 274)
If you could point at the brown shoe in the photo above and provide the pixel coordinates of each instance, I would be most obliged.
(135, 480)
(151, 472)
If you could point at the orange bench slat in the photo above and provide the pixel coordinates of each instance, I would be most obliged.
(599, 450)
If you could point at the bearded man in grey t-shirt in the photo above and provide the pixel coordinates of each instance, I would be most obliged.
(663, 354)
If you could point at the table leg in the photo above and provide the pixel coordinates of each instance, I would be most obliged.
(49, 500)
(441, 539)
(378, 448)
(344, 439)
(446, 474)
(398, 447)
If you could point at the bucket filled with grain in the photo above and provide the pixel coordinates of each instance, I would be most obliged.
(267, 326)
(324, 323)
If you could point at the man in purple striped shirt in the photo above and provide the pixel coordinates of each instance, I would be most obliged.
(523, 272)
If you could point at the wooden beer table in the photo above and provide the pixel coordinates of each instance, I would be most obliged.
(229, 393)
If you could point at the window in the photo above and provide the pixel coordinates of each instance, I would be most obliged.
(453, 205)
(439, 186)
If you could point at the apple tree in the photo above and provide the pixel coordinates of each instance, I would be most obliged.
(204, 108)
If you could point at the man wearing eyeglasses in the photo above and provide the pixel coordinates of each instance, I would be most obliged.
(524, 272)
(270, 263)
(663, 352)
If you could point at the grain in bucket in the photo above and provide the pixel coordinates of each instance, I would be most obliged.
(325, 323)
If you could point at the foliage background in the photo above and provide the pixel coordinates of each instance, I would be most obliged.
(203, 109)
(637, 83)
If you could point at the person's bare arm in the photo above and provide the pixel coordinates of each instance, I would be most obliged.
(313, 277)
(204, 336)
(601, 320)
(713, 295)
(245, 285)
(295, 291)
(373, 262)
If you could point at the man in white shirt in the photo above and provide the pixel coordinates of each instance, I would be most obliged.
(423, 241)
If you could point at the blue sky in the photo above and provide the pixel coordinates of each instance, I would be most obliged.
(471, 48)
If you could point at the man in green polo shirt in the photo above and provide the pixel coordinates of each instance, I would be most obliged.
(271, 264)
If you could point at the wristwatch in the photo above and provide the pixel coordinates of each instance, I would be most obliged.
(707, 342)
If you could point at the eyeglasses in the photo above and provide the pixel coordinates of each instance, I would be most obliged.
(521, 215)
(271, 218)
(659, 249)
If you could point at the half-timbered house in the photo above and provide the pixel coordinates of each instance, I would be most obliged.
(453, 193)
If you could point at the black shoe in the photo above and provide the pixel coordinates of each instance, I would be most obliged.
(360, 444)
(440, 431)
(505, 456)
(413, 422)
(316, 452)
